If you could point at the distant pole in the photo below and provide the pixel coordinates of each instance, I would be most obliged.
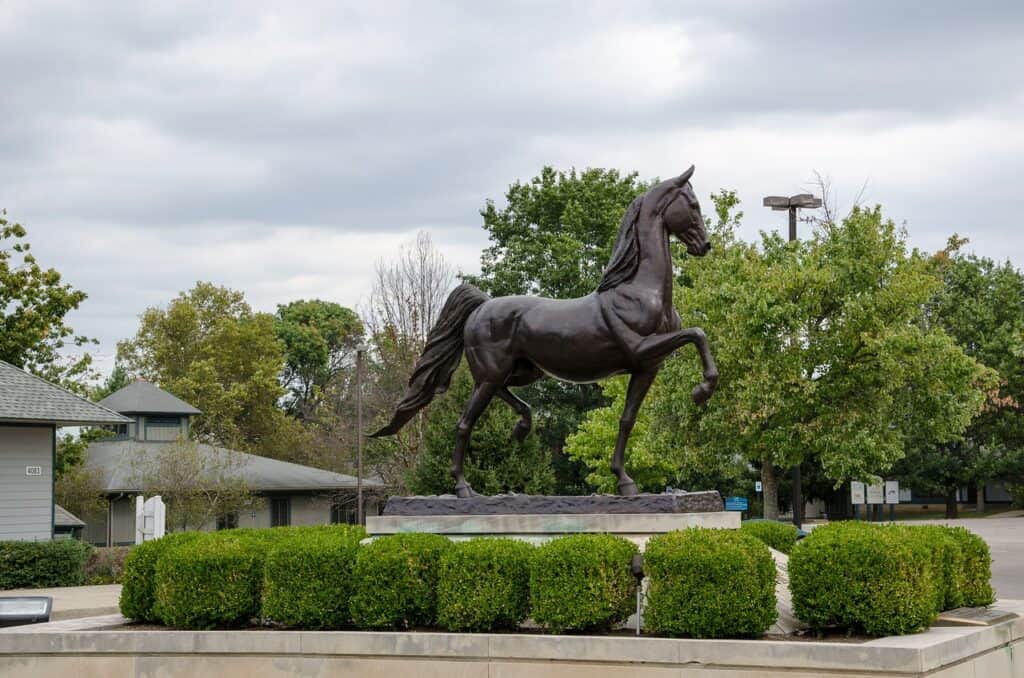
(360, 352)
(792, 204)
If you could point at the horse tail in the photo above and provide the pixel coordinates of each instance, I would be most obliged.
(433, 371)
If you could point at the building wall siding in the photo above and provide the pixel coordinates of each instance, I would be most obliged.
(26, 502)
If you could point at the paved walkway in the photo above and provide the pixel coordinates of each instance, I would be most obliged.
(75, 602)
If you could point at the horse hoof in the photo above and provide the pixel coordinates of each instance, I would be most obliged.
(521, 430)
(627, 488)
(701, 393)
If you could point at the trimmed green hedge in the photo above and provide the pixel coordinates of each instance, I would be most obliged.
(307, 580)
(709, 584)
(484, 585)
(138, 580)
(582, 582)
(947, 558)
(42, 564)
(779, 536)
(863, 577)
(209, 583)
(395, 581)
(976, 575)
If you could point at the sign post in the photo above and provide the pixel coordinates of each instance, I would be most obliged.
(892, 496)
(875, 497)
(856, 496)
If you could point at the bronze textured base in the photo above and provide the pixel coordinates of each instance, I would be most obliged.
(528, 504)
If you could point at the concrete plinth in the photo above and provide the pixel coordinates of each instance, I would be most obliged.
(638, 528)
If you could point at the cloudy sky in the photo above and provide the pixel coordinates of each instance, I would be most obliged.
(282, 148)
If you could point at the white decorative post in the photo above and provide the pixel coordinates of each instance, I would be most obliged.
(150, 518)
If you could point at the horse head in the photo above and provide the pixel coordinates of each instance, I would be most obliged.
(675, 203)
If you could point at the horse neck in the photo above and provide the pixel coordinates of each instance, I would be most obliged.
(655, 268)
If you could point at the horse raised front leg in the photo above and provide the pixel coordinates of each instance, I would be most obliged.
(478, 401)
(639, 384)
(656, 348)
(525, 422)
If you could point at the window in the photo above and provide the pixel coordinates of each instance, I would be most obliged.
(280, 511)
(228, 522)
(343, 512)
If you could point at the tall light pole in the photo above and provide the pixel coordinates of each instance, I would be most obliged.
(360, 354)
(781, 203)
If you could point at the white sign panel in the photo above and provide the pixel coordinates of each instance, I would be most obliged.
(905, 495)
(33, 470)
(150, 518)
(856, 492)
(876, 494)
(757, 486)
(892, 491)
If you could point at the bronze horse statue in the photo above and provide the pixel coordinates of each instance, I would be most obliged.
(628, 325)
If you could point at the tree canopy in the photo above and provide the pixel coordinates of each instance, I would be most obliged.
(211, 350)
(319, 338)
(34, 303)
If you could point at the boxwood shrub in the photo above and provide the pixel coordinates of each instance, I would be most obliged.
(208, 582)
(779, 536)
(709, 584)
(42, 564)
(138, 580)
(976, 575)
(395, 581)
(863, 577)
(484, 585)
(307, 579)
(947, 558)
(582, 582)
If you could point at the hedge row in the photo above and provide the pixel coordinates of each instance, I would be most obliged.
(42, 564)
(886, 579)
(779, 536)
(321, 578)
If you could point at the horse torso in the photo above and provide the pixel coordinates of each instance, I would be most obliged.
(566, 339)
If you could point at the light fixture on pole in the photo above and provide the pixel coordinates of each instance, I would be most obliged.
(781, 203)
(360, 356)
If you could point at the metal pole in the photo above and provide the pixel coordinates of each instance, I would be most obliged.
(359, 434)
(798, 495)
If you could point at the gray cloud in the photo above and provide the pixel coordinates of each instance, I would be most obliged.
(282, 150)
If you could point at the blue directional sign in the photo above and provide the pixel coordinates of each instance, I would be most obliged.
(736, 504)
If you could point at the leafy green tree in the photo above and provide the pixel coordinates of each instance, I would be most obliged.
(496, 463)
(553, 238)
(34, 302)
(115, 381)
(319, 338)
(211, 350)
(823, 352)
(980, 305)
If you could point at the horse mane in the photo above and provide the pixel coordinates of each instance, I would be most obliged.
(626, 253)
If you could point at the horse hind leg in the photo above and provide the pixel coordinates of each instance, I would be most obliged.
(478, 401)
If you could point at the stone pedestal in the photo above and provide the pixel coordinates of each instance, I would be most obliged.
(538, 528)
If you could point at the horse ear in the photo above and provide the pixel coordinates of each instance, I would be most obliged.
(684, 177)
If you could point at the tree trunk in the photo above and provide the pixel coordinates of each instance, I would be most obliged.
(770, 489)
(951, 508)
(980, 504)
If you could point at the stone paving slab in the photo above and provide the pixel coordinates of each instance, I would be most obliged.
(75, 602)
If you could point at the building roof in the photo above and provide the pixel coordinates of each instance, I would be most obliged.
(64, 518)
(26, 398)
(142, 397)
(121, 462)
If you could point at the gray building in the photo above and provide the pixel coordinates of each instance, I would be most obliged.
(31, 411)
(290, 494)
